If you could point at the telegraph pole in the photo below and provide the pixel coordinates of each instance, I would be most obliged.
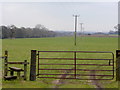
(76, 16)
(81, 27)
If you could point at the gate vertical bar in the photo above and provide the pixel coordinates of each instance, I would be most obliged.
(117, 65)
(38, 63)
(75, 64)
(113, 64)
(33, 66)
(5, 63)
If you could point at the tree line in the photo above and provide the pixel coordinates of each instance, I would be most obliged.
(38, 31)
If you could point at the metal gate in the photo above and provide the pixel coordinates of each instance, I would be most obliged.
(82, 65)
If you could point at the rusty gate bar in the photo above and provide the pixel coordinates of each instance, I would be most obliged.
(73, 59)
(79, 64)
(77, 69)
(76, 74)
(75, 78)
(75, 63)
(110, 64)
(80, 51)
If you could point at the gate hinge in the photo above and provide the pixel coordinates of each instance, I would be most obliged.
(37, 54)
(37, 74)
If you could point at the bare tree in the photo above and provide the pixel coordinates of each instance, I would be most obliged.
(12, 29)
(116, 27)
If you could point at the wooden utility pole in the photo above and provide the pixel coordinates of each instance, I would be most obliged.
(81, 24)
(76, 16)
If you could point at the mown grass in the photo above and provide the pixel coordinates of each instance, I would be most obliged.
(19, 50)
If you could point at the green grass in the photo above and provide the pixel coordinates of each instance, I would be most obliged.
(20, 49)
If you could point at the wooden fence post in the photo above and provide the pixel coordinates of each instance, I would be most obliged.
(25, 69)
(5, 63)
(33, 66)
(117, 65)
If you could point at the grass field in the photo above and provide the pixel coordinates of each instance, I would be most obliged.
(19, 50)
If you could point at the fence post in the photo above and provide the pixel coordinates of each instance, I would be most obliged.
(33, 66)
(25, 69)
(5, 63)
(117, 65)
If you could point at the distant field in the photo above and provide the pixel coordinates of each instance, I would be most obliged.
(19, 50)
(99, 35)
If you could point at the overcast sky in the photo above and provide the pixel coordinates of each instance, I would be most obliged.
(96, 16)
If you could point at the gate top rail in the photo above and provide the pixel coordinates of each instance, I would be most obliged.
(81, 51)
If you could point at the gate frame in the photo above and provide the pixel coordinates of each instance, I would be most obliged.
(33, 65)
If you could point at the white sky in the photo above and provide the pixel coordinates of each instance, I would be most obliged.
(96, 16)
